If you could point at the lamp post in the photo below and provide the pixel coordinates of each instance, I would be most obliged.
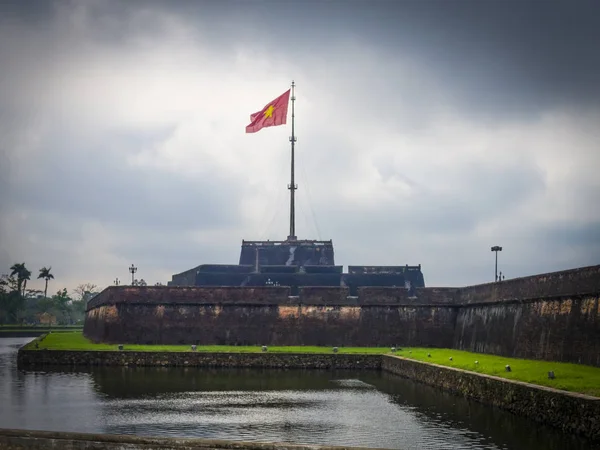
(496, 249)
(132, 270)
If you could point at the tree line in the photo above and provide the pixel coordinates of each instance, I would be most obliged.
(19, 305)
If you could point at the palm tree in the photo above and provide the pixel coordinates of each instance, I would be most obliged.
(46, 275)
(26, 276)
(22, 274)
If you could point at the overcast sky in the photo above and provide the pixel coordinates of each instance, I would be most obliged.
(427, 133)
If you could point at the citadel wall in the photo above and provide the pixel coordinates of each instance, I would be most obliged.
(553, 316)
(267, 315)
(550, 316)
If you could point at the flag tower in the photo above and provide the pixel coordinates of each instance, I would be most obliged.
(292, 187)
(273, 114)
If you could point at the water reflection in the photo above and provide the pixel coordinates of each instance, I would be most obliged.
(368, 409)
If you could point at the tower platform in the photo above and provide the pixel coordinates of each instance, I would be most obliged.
(296, 264)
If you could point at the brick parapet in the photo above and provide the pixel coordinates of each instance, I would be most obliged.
(580, 281)
(556, 285)
(29, 359)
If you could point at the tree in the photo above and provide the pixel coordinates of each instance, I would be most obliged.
(6, 283)
(83, 294)
(23, 274)
(33, 294)
(31, 302)
(78, 308)
(46, 275)
(62, 302)
(26, 276)
(11, 300)
(85, 291)
(17, 269)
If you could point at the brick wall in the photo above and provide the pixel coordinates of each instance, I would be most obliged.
(550, 316)
(560, 329)
(584, 280)
(158, 295)
(553, 316)
(229, 324)
(317, 295)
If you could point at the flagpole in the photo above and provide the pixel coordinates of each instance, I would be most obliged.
(292, 187)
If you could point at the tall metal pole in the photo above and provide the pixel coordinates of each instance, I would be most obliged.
(133, 270)
(496, 248)
(496, 270)
(292, 186)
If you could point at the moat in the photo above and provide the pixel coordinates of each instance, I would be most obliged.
(364, 408)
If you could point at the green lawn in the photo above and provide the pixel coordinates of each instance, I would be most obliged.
(76, 341)
(570, 377)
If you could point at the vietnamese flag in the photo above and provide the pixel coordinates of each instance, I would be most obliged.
(273, 114)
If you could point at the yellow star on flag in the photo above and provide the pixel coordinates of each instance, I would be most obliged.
(272, 114)
(269, 111)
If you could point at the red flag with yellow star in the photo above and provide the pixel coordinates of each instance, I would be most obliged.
(273, 114)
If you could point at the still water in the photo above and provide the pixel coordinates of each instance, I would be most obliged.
(368, 409)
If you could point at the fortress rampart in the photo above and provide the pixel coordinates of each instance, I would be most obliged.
(552, 316)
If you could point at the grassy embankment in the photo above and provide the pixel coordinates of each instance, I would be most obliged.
(76, 341)
(569, 377)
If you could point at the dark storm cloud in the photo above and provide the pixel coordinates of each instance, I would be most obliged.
(576, 236)
(37, 11)
(497, 55)
(510, 58)
(504, 58)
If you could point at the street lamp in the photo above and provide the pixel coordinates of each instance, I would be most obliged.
(496, 249)
(132, 270)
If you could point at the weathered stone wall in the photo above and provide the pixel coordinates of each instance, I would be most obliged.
(554, 316)
(438, 296)
(59, 440)
(584, 280)
(30, 359)
(318, 295)
(245, 324)
(570, 412)
(559, 329)
(548, 316)
(159, 295)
